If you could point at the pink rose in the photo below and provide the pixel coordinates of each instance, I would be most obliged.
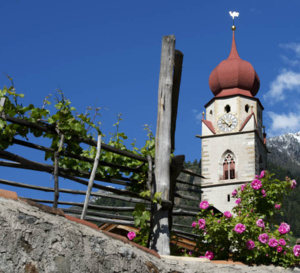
(284, 228)
(250, 244)
(204, 205)
(262, 174)
(296, 250)
(260, 223)
(194, 224)
(293, 184)
(209, 255)
(264, 193)
(227, 214)
(238, 201)
(256, 184)
(243, 187)
(234, 193)
(273, 242)
(282, 242)
(239, 228)
(277, 206)
(131, 235)
(219, 221)
(263, 238)
(201, 223)
(279, 248)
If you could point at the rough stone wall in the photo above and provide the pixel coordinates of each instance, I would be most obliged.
(33, 241)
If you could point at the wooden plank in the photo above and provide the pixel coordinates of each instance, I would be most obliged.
(189, 190)
(189, 234)
(175, 169)
(181, 212)
(80, 204)
(184, 226)
(50, 128)
(56, 168)
(63, 173)
(188, 197)
(68, 154)
(111, 221)
(36, 168)
(47, 189)
(187, 183)
(175, 94)
(192, 173)
(91, 181)
(196, 208)
(160, 236)
(98, 214)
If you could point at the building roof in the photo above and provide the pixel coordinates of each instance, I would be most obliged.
(234, 74)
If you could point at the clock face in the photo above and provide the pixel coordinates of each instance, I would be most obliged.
(227, 122)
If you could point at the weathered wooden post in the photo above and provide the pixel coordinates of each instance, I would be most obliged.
(92, 178)
(160, 237)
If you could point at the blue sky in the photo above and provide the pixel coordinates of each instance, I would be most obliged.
(107, 54)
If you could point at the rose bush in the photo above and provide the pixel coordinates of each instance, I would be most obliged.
(248, 233)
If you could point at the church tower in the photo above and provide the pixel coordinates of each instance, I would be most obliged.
(233, 140)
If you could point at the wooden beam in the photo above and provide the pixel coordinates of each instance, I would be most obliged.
(160, 235)
(187, 183)
(50, 128)
(68, 154)
(192, 173)
(175, 94)
(92, 178)
(175, 169)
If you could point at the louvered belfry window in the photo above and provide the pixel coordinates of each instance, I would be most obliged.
(228, 167)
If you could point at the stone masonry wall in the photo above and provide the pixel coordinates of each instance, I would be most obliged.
(35, 241)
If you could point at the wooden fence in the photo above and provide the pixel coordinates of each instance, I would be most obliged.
(109, 214)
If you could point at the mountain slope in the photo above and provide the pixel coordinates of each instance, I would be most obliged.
(285, 152)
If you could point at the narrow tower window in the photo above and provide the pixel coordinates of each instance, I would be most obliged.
(228, 167)
(227, 108)
(228, 197)
(247, 108)
(210, 112)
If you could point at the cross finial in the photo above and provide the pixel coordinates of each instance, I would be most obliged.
(233, 14)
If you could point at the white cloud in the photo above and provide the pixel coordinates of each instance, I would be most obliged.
(283, 123)
(290, 62)
(198, 115)
(286, 81)
(293, 46)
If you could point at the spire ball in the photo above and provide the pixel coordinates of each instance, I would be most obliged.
(233, 27)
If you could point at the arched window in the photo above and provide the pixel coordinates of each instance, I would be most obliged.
(228, 167)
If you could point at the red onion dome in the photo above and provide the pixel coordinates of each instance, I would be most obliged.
(234, 74)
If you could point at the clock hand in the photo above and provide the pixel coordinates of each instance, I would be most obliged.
(226, 122)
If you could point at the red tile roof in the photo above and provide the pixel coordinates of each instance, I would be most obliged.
(209, 126)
